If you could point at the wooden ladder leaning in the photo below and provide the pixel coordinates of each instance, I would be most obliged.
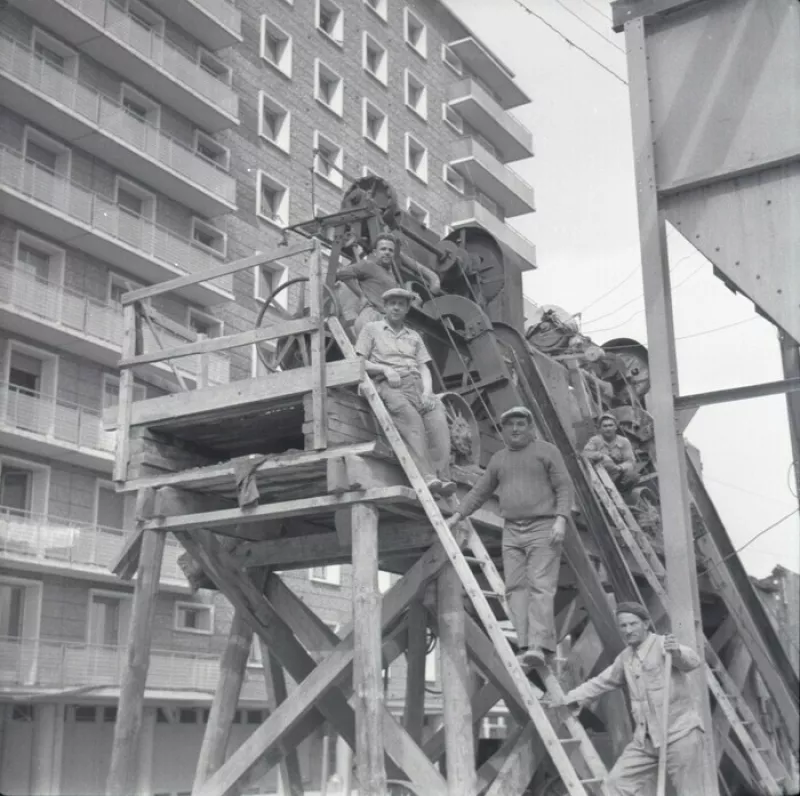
(768, 768)
(560, 749)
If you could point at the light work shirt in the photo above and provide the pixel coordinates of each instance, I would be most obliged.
(642, 671)
(401, 350)
(619, 450)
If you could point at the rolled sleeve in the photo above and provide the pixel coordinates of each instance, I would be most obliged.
(365, 343)
(686, 660)
(608, 680)
(421, 354)
(348, 272)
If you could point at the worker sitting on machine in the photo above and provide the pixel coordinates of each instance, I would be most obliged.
(641, 666)
(614, 452)
(375, 274)
(397, 355)
(535, 496)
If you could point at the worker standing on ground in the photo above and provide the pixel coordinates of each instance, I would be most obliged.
(535, 495)
(640, 666)
(374, 274)
(613, 451)
(398, 357)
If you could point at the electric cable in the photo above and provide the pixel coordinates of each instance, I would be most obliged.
(609, 291)
(742, 489)
(584, 22)
(596, 10)
(570, 42)
(789, 479)
(715, 329)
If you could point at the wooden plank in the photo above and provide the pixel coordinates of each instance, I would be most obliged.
(516, 773)
(367, 668)
(226, 700)
(258, 259)
(277, 694)
(459, 740)
(239, 395)
(125, 406)
(414, 714)
(211, 344)
(157, 337)
(124, 753)
(319, 390)
(288, 508)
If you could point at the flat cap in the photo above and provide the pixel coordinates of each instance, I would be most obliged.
(608, 416)
(637, 609)
(516, 411)
(399, 292)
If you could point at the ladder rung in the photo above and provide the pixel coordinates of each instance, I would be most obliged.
(493, 595)
(592, 781)
(570, 740)
(473, 560)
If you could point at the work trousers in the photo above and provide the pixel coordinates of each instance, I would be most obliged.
(425, 431)
(636, 771)
(531, 566)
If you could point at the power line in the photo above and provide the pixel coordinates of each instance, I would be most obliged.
(586, 24)
(753, 538)
(715, 329)
(570, 42)
(610, 291)
(738, 488)
(596, 10)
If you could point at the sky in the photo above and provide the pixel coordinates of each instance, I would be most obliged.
(586, 234)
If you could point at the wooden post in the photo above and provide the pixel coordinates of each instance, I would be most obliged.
(414, 716)
(318, 395)
(367, 664)
(291, 776)
(456, 682)
(124, 754)
(122, 452)
(226, 700)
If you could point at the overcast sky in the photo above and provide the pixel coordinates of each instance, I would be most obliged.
(586, 235)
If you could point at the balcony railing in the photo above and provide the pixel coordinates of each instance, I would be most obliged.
(54, 419)
(58, 664)
(151, 45)
(40, 537)
(101, 321)
(113, 118)
(104, 216)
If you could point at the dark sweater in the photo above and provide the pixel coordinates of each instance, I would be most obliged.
(530, 483)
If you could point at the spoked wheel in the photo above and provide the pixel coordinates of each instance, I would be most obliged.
(294, 351)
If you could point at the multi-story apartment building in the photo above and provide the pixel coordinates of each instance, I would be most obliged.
(140, 140)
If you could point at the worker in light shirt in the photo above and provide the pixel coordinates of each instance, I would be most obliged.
(640, 667)
(535, 495)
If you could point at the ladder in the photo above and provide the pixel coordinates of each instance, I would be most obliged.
(560, 749)
(768, 768)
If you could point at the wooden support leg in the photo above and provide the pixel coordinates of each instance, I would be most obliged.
(122, 772)
(367, 664)
(226, 700)
(275, 682)
(414, 717)
(520, 764)
(455, 671)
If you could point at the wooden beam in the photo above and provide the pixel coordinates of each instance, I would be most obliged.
(239, 395)
(258, 259)
(367, 679)
(210, 344)
(226, 699)
(455, 674)
(520, 765)
(125, 406)
(414, 715)
(124, 752)
(275, 684)
(281, 510)
(319, 402)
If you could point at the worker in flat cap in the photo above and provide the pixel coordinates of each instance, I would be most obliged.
(534, 491)
(397, 357)
(613, 451)
(374, 274)
(640, 667)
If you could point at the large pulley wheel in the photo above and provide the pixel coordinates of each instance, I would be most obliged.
(294, 351)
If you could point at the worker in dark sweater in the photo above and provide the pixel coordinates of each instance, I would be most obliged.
(535, 496)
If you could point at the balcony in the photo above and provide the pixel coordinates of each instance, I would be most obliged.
(142, 56)
(473, 213)
(38, 198)
(56, 544)
(484, 65)
(46, 95)
(511, 139)
(52, 314)
(482, 169)
(58, 665)
(50, 427)
(214, 23)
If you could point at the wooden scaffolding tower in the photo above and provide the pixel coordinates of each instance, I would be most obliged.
(297, 469)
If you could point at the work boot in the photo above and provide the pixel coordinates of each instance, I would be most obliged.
(448, 488)
(434, 486)
(533, 656)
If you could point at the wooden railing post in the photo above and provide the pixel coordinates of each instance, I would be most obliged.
(318, 397)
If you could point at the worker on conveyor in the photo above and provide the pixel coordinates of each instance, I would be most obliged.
(640, 666)
(613, 451)
(397, 356)
(375, 274)
(535, 496)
